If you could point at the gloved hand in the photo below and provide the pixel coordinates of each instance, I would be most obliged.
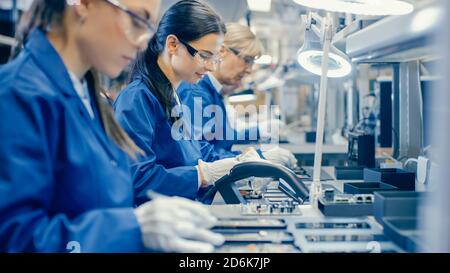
(249, 154)
(280, 156)
(210, 172)
(174, 224)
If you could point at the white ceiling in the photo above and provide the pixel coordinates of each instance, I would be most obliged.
(281, 29)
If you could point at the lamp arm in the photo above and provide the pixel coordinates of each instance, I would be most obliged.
(316, 30)
(316, 187)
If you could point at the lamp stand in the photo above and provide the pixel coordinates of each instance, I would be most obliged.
(316, 187)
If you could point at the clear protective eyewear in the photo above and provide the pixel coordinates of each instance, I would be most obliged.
(137, 28)
(248, 60)
(205, 58)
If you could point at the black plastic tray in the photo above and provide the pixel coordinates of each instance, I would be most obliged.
(367, 187)
(404, 232)
(349, 172)
(344, 209)
(396, 204)
(403, 180)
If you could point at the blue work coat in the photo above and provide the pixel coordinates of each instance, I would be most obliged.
(201, 96)
(64, 185)
(169, 164)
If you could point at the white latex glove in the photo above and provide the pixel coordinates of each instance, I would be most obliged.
(280, 156)
(174, 224)
(210, 172)
(249, 154)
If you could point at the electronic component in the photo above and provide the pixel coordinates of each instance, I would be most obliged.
(252, 194)
(258, 248)
(351, 199)
(274, 191)
(328, 225)
(250, 223)
(347, 205)
(361, 250)
(328, 194)
(273, 186)
(286, 207)
(276, 199)
(346, 238)
(262, 236)
(306, 173)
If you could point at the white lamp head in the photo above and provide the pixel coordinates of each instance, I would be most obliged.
(361, 7)
(310, 57)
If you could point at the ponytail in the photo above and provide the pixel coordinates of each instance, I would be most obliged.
(146, 69)
(189, 20)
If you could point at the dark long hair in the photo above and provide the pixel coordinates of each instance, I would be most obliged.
(189, 20)
(46, 14)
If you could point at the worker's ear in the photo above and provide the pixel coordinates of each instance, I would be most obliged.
(172, 44)
(223, 52)
(81, 8)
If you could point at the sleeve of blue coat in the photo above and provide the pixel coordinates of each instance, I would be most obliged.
(135, 113)
(27, 222)
(191, 98)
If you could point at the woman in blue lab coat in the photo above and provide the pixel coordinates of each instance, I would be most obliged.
(238, 52)
(64, 178)
(184, 48)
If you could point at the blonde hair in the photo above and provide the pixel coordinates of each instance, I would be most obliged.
(242, 39)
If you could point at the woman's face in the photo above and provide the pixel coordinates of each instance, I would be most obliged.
(192, 68)
(232, 68)
(112, 37)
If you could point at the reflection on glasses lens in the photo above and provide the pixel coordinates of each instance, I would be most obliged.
(203, 57)
(208, 58)
(247, 59)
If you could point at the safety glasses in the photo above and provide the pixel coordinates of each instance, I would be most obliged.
(205, 58)
(136, 28)
(249, 61)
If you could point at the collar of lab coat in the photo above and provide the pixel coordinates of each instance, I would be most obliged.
(215, 83)
(50, 62)
(207, 84)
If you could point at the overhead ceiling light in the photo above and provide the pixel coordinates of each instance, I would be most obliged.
(427, 18)
(310, 58)
(260, 5)
(264, 60)
(361, 7)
